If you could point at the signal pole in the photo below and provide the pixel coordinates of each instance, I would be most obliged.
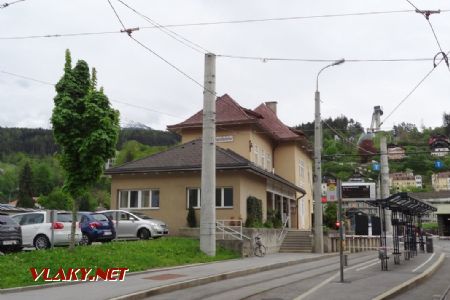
(208, 179)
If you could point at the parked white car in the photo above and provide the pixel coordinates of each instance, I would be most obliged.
(37, 229)
(135, 225)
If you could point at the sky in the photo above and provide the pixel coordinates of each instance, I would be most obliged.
(157, 95)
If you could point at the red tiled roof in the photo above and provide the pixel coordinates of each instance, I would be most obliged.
(227, 111)
(273, 125)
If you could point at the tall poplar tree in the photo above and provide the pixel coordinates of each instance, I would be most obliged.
(85, 127)
(25, 198)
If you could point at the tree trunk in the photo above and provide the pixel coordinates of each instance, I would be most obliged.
(74, 223)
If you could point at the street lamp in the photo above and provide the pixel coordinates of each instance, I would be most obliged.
(318, 234)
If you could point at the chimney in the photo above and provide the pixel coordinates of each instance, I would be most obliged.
(273, 106)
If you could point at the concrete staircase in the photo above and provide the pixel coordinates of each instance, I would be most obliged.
(297, 241)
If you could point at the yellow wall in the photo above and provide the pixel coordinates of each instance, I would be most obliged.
(287, 164)
(243, 136)
(284, 162)
(173, 203)
(264, 145)
(253, 185)
(240, 143)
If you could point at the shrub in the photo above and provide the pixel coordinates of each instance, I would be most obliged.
(254, 212)
(191, 219)
(277, 222)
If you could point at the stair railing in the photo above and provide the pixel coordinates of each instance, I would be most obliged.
(232, 230)
(283, 230)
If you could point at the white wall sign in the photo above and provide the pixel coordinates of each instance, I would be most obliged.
(224, 139)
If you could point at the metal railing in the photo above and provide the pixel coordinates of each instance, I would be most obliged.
(230, 228)
(283, 229)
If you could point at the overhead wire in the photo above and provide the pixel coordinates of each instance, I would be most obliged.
(289, 59)
(58, 35)
(6, 4)
(412, 91)
(188, 43)
(427, 14)
(159, 56)
(112, 100)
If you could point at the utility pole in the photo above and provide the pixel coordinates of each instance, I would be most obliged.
(208, 180)
(384, 172)
(317, 191)
(385, 179)
(318, 219)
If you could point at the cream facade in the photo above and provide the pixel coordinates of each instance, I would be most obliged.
(271, 164)
(441, 181)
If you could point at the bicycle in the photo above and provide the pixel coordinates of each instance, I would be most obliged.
(259, 249)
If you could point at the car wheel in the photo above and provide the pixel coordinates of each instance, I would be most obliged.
(85, 240)
(41, 242)
(143, 234)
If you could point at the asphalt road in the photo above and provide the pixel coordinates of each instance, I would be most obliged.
(290, 280)
(317, 280)
(436, 285)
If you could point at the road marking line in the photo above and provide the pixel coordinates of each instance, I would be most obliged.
(430, 258)
(399, 288)
(310, 291)
(359, 269)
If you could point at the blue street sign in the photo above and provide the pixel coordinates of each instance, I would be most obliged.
(375, 167)
(438, 164)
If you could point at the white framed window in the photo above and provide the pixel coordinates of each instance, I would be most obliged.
(193, 197)
(269, 162)
(301, 173)
(263, 159)
(139, 199)
(224, 197)
(256, 154)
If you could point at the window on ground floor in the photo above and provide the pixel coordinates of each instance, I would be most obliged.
(224, 197)
(148, 198)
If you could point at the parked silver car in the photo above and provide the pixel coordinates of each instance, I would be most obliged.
(135, 225)
(37, 228)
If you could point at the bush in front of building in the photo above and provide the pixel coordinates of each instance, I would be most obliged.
(254, 213)
(191, 219)
(273, 219)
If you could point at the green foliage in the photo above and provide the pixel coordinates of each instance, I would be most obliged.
(147, 136)
(57, 199)
(133, 150)
(85, 128)
(254, 212)
(330, 215)
(273, 219)
(430, 226)
(164, 252)
(191, 218)
(87, 146)
(25, 187)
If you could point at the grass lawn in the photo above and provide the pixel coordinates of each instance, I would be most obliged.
(135, 255)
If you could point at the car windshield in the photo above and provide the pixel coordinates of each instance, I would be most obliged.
(141, 215)
(99, 217)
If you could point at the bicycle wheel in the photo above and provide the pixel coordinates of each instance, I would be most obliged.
(257, 251)
(263, 250)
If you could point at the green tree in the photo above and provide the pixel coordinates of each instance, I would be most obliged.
(85, 128)
(330, 215)
(25, 187)
(57, 199)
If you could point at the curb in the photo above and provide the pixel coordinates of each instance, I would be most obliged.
(409, 283)
(213, 278)
(67, 283)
